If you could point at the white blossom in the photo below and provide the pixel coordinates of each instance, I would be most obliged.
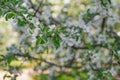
(52, 27)
(26, 4)
(112, 71)
(113, 19)
(102, 38)
(35, 21)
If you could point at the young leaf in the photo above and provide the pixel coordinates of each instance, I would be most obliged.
(9, 16)
(56, 42)
(21, 23)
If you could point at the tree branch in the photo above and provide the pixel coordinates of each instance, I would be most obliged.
(48, 62)
(86, 47)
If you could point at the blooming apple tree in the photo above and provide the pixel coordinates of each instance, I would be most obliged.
(76, 39)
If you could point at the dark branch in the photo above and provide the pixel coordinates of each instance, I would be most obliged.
(48, 62)
(103, 24)
(86, 47)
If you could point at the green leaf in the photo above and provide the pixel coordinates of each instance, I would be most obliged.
(6, 76)
(56, 42)
(88, 12)
(64, 77)
(0, 11)
(21, 23)
(9, 15)
(31, 25)
(43, 40)
(89, 45)
(109, 1)
(9, 58)
(37, 41)
(116, 56)
(103, 3)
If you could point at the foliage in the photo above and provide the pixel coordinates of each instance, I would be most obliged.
(72, 42)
